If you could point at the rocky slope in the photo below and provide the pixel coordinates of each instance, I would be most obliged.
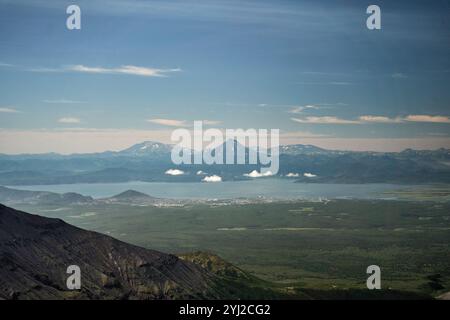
(36, 251)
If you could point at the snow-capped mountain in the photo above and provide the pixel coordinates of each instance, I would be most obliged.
(147, 148)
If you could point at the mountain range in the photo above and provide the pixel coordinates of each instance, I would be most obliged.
(150, 161)
(14, 196)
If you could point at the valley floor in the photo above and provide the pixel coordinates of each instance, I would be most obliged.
(317, 245)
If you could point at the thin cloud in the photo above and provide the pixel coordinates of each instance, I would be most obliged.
(427, 118)
(301, 134)
(325, 120)
(63, 101)
(2, 64)
(9, 110)
(69, 120)
(320, 73)
(340, 83)
(399, 75)
(180, 123)
(126, 69)
(373, 119)
(301, 109)
(329, 83)
(379, 119)
(168, 122)
(43, 69)
(409, 118)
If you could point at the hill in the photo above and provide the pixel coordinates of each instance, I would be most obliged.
(11, 196)
(36, 251)
(132, 195)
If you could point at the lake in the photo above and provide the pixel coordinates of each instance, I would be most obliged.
(268, 187)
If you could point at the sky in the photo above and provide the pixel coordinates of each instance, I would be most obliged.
(139, 69)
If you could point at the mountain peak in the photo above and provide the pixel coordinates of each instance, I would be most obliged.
(147, 147)
(132, 194)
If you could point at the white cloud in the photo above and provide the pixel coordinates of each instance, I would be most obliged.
(427, 118)
(174, 172)
(379, 119)
(213, 178)
(127, 69)
(300, 109)
(325, 120)
(292, 175)
(168, 122)
(256, 174)
(9, 110)
(69, 120)
(309, 175)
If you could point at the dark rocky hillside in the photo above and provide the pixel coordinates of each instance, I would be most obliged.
(36, 251)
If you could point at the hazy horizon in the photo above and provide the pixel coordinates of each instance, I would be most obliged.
(63, 146)
(136, 70)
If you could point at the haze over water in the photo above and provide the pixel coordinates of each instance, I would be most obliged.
(269, 188)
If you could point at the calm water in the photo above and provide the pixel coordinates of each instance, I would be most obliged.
(271, 188)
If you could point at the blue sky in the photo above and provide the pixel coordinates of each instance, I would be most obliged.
(137, 69)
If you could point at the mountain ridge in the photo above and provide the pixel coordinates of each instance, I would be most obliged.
(149, 162)
(154, 146)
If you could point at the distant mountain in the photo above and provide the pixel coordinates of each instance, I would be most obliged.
(149, 161)
(132, 196)
(295, 149)
(10, 196)
(147, 148)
